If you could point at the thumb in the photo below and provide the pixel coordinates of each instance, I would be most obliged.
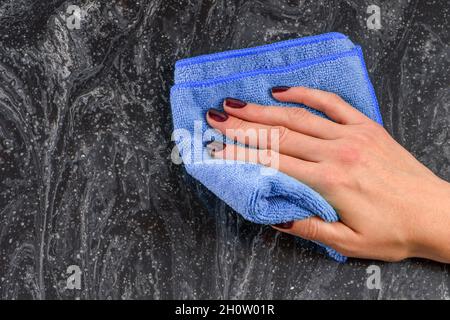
(335, 235)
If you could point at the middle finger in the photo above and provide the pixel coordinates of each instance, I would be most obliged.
(277, 138)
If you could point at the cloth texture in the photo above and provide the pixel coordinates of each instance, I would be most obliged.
(329, 62)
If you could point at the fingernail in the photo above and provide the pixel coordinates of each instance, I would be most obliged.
(217, 115)
(280, 89)
(215, 147)
(235, 103)
(285, 225)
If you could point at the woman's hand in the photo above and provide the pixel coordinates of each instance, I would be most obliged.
(391, 206)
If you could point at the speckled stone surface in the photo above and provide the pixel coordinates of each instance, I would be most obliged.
(85, 172)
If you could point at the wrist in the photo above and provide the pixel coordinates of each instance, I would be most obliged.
(431, 235)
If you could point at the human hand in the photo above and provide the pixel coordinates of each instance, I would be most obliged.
(391, 207)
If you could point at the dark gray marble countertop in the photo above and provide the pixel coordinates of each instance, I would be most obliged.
(85, 171)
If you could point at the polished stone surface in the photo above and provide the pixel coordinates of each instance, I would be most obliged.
(85, 171)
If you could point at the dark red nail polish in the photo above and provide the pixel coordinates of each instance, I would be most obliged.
(217, 115)
(235, 103)
(280, 89)
(285, 225)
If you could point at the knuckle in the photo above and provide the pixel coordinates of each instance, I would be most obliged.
(335, 98)
(348, 154)
(241, 132)
(296, 114)
(239, 124)
(310, 230)
(280, 135)
(373, 129)
(300, 92)
(362, 138)
(235, 129)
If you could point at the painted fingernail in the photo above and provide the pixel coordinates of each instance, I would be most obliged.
(235, 103)
(280, 89)
(217, 115)
(215, 147)
(285, 225)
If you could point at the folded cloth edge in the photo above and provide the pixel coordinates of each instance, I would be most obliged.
(356, 51)
(258, 49)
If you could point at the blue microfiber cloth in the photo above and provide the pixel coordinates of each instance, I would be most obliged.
(329, 62)
(280, 54)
